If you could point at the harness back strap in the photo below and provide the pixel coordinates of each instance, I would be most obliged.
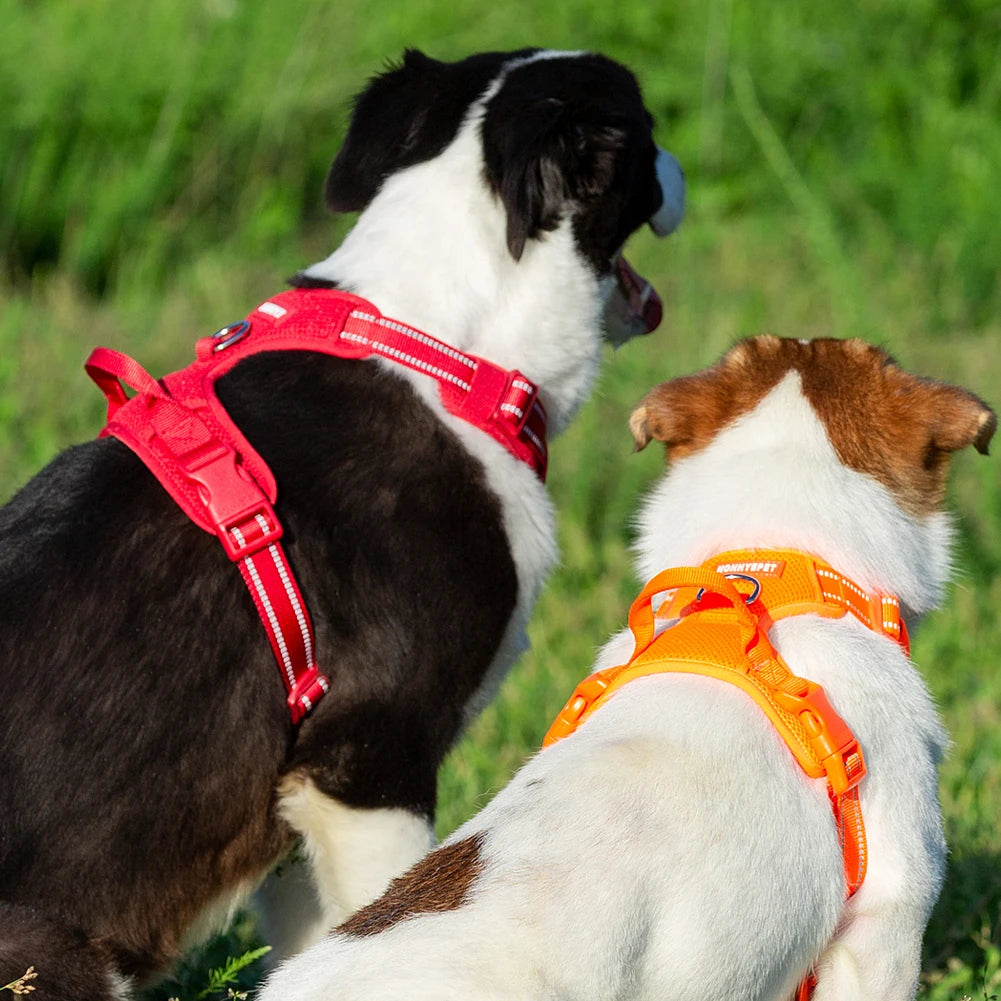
(180, 430)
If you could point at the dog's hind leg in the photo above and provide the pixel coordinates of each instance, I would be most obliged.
(351, 856)
(288, 907)
(872, 959)
(53, 961)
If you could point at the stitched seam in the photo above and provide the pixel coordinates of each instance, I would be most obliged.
(272, 618)
(409, 359)
(294, 602)
(300, 617)
(416, 335)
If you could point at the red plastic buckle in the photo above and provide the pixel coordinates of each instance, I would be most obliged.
(242, 514)
(307, 691)
(250, 532)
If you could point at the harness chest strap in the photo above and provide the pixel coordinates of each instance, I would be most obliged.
(720, 632)
(180, 430)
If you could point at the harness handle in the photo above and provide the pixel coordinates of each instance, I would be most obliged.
(641, 614)
(110, 368)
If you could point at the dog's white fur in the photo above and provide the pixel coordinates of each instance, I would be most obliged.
(672, 847)
(543, 315)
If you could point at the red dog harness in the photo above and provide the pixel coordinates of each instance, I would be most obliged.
(721, 632)
(181, 431)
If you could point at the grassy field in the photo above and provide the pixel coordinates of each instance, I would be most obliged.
(160, 168)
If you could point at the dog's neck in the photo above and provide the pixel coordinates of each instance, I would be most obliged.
(430, 250)
(772, 479)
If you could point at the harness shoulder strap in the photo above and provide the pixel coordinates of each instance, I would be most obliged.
(202, 466)
(181, 431)
(719, 636)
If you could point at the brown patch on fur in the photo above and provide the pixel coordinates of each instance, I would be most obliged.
(439, 882)
(897, 428)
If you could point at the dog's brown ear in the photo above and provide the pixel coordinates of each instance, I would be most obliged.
(961, 419)
(640, 427)
(684, 413)
(687, 413)
(915, 426)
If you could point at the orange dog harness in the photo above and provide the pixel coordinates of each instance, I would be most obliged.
(724, 610)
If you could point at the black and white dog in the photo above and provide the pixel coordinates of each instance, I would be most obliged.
(151, 774)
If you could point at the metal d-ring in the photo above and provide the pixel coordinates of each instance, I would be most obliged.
(227, 336)
(748, 598)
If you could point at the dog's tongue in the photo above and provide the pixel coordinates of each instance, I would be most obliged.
(640, 296)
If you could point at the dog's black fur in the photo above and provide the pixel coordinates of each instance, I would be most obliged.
(145, 723)
(135, 665)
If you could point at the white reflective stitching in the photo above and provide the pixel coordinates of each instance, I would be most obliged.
(417, 335)
(424, 366)
(266, 602)
(891, 625)
(280, 566)
(439, 373)
(409, 359)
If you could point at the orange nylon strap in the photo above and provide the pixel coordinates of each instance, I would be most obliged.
(718, 633)
(784, 582)
(721, 632)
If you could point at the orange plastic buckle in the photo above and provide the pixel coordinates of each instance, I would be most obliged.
(830, 739)
(585, 695)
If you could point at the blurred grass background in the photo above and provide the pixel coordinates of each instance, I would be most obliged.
(160, 173)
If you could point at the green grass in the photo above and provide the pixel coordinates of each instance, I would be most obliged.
(160, 168)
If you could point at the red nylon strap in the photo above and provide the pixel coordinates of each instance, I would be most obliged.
(176, 443)
(286, 621)
(178, 427)
(502, 403)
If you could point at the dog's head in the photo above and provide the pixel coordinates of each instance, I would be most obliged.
(894, 427)
(564, 136)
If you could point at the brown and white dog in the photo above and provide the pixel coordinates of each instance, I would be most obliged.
(151, 774)
(671, 847)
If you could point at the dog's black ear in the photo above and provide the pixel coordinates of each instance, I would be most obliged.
(543, 157)
(387, 118)
(405, 116)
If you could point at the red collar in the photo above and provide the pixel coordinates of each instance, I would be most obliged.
(178, 427)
